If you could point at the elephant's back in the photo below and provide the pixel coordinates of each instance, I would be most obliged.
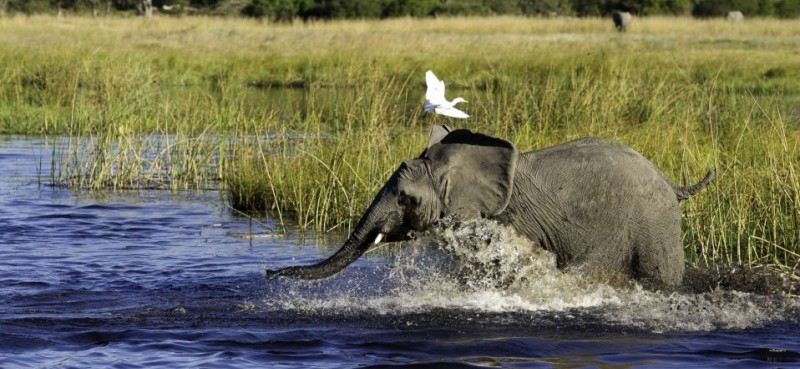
(599, 176)
(585, 148)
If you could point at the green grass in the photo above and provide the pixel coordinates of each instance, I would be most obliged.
(307, 121)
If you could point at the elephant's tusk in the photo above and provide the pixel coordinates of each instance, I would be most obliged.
(378, 239)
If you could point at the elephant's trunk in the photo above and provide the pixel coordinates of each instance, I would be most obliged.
(369, 231)
(352, 249)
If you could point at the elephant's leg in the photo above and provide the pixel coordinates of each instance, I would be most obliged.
(658, 255)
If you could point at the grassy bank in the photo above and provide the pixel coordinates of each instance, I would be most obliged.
(308, 120)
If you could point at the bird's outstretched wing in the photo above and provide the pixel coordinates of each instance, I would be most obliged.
(435, 93)
(451, 112)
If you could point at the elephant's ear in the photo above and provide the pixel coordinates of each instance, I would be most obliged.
(438, 132)
(474, 173)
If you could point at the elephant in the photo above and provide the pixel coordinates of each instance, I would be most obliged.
(595, 203)
(621, 20)
(734, 16)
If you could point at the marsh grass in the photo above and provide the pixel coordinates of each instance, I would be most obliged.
(306, 121)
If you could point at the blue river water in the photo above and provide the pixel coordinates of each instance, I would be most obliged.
(151, 279)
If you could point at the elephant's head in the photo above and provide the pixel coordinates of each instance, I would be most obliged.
(460, 174)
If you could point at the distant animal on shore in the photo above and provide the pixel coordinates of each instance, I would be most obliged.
(596, 204)
(734, 16)
(622, 20)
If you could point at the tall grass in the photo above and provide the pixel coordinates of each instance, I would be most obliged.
(306, 121)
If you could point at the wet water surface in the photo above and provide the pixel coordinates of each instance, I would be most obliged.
(153, 279)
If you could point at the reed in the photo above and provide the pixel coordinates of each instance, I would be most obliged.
(306, 121)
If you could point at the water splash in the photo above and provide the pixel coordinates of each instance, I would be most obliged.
(482, 266)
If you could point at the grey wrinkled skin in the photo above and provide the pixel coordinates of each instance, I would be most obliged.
(622, 20)
(596, 204)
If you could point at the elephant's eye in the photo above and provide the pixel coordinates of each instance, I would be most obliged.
(407, 200)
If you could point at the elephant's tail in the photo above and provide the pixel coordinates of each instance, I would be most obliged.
(684, 193)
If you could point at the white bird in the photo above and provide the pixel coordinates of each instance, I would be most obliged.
(435, 101)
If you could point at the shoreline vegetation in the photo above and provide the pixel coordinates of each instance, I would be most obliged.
(291, 10)
(305, 121)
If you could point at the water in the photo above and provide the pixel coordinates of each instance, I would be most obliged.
(150, 279)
